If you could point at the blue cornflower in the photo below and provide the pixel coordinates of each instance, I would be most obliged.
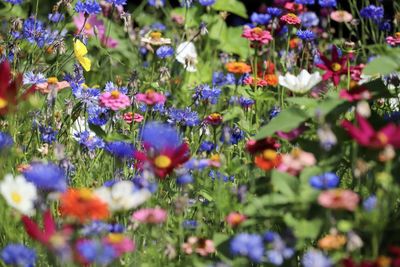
(89, 141)
(156, 3)
(56, 17)
(305, 2)
(184, 179)
(190, 224)
(207, 2)
(120, 149)
(185, 117)
(110, 86)
(117, 2)
(306, 35)
(47, 134)
(165, 51)
(279, 251)
(309, 19)
(95, 252)
(98, 115)
(315, 258)
(274, 11)
(96, 228)
(207, 93)
(369, 203)
(18, 255)
(6, 141)
(217, 175)
(206, 146)
(257, 18)
(158, 26)
(274, 112)
(232, 135)
(246, 102)
(372, 12)
(47, 176)
(160, 136)
(32, 78)
(325, 181)
(88, 7)
(219, 79)
(327, 3)
(141, 183)
(196, 164)
(385, 26)
(248, 245)
(14, 2)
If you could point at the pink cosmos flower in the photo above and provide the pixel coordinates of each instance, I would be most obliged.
(393, 40)
(150, 97)
(257, 34)
(234, 219)
(291, 19)
(152, 216)
(114, 100)
(129, 117)
(360, 93)
(120, 243)
(201, 246)
(293, 134)
(339, 199)
(341, 16)
(296, 161)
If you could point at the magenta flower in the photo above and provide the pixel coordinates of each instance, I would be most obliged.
(120, 243)
(365, 135)
(257, 34)
(152, 216)
(150, 97)
(339, 199)
(360, 93)
(114, 100)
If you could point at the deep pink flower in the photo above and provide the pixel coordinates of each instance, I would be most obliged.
(293, 134)
(152, 216)
(121, 243)
(360, 93)
(130, 116)
(339, 199)
(150, 97)
(291, 19)
(257, 34)
(335, 67)
(365, 134)
(114, 100)
(393, 40)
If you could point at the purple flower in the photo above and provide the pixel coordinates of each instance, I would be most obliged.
(306, 35)
(207, 2)
(309, 19)
(18, 255)
(327, 3)
(372, 12)
(248, 245)
(325, 181)
(165, 51)
(88, 7)
(315, 258)
(47, 176)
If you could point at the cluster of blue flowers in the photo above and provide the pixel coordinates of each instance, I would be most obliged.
(18, 255)
(88, 7)
(165, 51)
(46, 176)
(325, 181)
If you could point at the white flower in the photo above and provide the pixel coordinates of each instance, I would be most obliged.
(122, 196)
(19, 193)
(302, 83)
(186, 54)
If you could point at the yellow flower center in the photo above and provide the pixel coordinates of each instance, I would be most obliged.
(257, 30)
(296, 152)
(336, 66)
(85, 194)
(291, 15)
(156, 35)
(382, 138)
(52, 80)
(115, 94)
(162, 161)
(215, 157)
(269, 154)
(88, 26)
(3, 103)
(16, 197)
(215, 116)
(397, 35)
(115, 238)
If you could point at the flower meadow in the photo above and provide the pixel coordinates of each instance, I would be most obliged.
(199, 133)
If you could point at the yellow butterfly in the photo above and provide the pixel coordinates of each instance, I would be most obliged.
(80, 51)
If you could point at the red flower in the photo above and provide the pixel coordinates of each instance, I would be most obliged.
(256, 146)
(360, 93)
(335, 67)
(365, 134)
(9, 88)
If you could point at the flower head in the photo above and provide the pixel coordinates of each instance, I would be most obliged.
(325, 181)
(300, 84)
(114, 100)
(315, 258)
(291, 19)
(341, 16)
(88, 7)
(151, 216)
(257, 35)
(339, 199)
(6, 141)
(201, 246)
(18, 255)
(238, 67)
(334, 67)
(186, 55)
(47, 176)
(150, 97)
(248, 245)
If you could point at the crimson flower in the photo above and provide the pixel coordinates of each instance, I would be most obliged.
(359, 93)
(365, 135)
(335, 67)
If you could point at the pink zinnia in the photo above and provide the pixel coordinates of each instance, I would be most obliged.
(153, 216)
(257, 35)
(129, 117)
(201, 246)
(234, 219)
(339, 199)
(114, 100)
(393, 40)
(296, 161)
(291, 19)
(341, 16)
(150, 97)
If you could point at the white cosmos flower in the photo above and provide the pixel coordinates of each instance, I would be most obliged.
(122, 196)
(19, 193)
(302, 83)
(186, 54)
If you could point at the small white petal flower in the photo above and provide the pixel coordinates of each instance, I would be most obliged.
(302, 83)
(186, 54)
(19, 193)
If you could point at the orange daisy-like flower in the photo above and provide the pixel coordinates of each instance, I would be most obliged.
(271, 79)
(332, 242)
(268, 160)
(82, 205)
(238, 67)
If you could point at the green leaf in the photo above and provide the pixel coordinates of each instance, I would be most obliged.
(233, 113)
(285, 183)
(97, 130)
(232, 6)
(303, 229)
(381, 66)
(286, 121)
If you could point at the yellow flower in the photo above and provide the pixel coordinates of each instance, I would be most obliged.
(80, 51)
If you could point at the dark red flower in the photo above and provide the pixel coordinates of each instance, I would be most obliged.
(256, 146)
(359, 93)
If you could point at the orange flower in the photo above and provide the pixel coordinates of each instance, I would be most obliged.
(82, 205)
(331, 242)
(238, 67)
(271, 79)
(268, 160)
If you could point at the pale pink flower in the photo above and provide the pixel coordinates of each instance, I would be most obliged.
(341, 16)
(257, 34)
(153, 216)
(114, 100)
(339, 199)
(52, 83)
(296, 161)
(201, 246)
(150, 97)
(234, 219)
(129, 117)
